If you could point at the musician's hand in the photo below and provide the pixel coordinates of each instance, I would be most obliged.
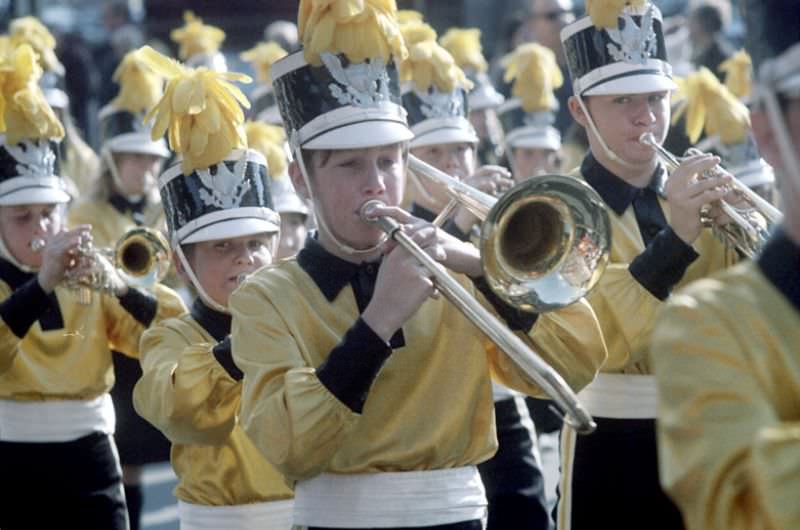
(60, 255)
(687, 195)
(494, 180)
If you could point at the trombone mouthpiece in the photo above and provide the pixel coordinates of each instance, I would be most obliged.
(647, 139)
(367, 209)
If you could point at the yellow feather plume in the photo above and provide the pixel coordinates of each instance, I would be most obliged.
(268, 140)
(428, 63)
(738, 74)
(404, 16)
(465, 47)
(201, 110)
(195, 37)
(28, 30)
(604, 13)
(535, 73)
(262, 57)
(24, 112)
(360, 29)
(140, 87)
(709, 105)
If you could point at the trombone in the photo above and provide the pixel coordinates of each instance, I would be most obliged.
(751, 226)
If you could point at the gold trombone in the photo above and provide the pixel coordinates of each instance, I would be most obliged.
(751, 226)
(544, 244)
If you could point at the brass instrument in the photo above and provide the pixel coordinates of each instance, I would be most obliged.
(751, 226)
(140, 258)
(544, 244)
(539, 371)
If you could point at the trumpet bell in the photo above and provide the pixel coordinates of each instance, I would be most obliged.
(545, 243)
(142, 257)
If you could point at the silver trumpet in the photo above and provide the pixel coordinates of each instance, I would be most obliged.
(751, 226)
(538, 370)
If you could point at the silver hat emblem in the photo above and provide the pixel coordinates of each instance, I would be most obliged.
(633, 44)
(226, 189)
(440, 104)
(35, 160)
(362, 85)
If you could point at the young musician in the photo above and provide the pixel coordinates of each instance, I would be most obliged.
(223, 227)
(725, 350)
(622, 85)
(371, 396)
(56, 414)
(125, 196)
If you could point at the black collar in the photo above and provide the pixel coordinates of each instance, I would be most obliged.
(617, 193)
(217, 324)
(422, 212)
(124, 206)
(780, 263)
(330, 273)
(13, 275)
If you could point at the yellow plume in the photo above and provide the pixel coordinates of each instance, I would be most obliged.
(28, 30)
(429, 63)
(738, 74)
(268, 140)
(262, 57)
(195, 37)
(604, 13)
(200, 109)
(535, 73)
(140, 87)
(465, 47)
(404, 16)
(360, 29)
(24, 112)
(709, 105)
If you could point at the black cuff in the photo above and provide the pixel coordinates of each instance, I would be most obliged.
(142, 306)
(517, 319)
(663, 263)
(224, 356)
(24, 307)
(452, 228)
(353, 365)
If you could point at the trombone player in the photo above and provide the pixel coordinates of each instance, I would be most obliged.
(728, 440)
(622, 84)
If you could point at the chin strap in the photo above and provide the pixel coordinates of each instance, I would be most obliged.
(322, 223)
(200, 291)
(609, 153)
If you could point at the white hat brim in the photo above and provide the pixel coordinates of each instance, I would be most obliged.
(372, 133)
(43, 195)
(231, 228)
(632, 84)
(141, 144)
(444, 135)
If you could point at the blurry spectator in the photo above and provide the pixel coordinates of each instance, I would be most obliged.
(122, 34)
(284, 33)
(707, 22)
(80, 77)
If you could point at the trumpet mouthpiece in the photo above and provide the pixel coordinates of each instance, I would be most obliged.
(37, 245)
(368, 208)
(647, 138)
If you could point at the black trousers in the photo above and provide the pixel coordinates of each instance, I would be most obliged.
(615, 479)
(74, 484)
(512, 477)
(466, 525)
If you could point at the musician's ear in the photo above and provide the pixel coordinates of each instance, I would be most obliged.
(298, 181)
(577, 111)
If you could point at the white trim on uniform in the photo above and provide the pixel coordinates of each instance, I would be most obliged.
(275, 515)
(55, 421)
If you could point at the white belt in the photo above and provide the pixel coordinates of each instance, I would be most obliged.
(386, 500)
(275, 515)
(621, 396)
(55, 421)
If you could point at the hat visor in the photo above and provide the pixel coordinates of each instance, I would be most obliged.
(43, 195)
(535, 142)
(632, 84)
(482, 101)
(231, 228)
(372, 133)
(444, 135)
(141, 145)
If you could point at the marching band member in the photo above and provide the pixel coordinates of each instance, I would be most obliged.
(368, 394)
(622, 85)
(532, 144)
(725, 349)
(222, 227)
(435, 98)
(125, 196)
(199, 43)
(464, 44)
(56, 415)
(270, 141)
(444, 138)
(261, 57)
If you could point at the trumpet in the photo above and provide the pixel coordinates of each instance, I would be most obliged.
(140, 258)
(548, 379)
(751, 226)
